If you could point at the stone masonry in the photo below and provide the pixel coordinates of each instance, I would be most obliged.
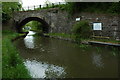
(60, 22)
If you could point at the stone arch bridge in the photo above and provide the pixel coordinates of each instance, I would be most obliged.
(54, 20)
(59, 21)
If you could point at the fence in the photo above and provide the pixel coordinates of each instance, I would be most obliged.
(35, 7)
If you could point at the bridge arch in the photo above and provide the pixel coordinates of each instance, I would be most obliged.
(28, 19)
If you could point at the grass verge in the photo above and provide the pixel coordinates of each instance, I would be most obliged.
(12, 65)
(72, 36)
(107, 41)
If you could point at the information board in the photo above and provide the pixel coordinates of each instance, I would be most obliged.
(97, 26)
(77, 19)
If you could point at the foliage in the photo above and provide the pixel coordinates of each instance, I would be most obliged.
(83, 46)
(7, 33)
(35, 25)
(115, 8)
(60, 35)
(107, 41)
(61, 6)
(12, 64)
(82, 30)
(97, 7)
(8, 8)
(72, 7)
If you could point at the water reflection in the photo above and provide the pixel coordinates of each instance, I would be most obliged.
(44, 70)
(31, 33)
(97, 60)
(91, 62)
(29, 40)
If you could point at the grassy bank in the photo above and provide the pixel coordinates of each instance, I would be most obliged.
(63, 35)
(12, 63)
(107, 41)
(72, 37)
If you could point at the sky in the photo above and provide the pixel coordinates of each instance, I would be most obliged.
(27, 3)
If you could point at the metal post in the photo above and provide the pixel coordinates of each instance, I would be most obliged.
(22, 9)
(40, 6)
(59, 3)
(28, 7)
(53, 5)
(46, 5)
(34, 7)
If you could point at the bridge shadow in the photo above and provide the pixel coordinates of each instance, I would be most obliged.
(45, 27)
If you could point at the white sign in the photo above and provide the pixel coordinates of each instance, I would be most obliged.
(77, 19)
(97, 26)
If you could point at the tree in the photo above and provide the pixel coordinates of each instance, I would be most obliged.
(105, 7)
(115, 8)
(8, 8)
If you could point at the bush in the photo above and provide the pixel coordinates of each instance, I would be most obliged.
(82, 30)
(115, 8)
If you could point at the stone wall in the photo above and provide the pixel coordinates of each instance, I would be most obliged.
(9, 25)
(61, 22)
(110, 24)
(118, 34)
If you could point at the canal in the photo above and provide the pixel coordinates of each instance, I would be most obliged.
(47, 58)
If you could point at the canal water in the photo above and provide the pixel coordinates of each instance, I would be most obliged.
(54, 58)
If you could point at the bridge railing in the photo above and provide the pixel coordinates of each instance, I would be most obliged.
(37, 7)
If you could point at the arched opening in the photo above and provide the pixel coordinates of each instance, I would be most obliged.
(45, 26)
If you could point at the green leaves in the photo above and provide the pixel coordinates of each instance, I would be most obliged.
(35, 26)
(8, 8)
(82, 30)
(115, 8)
(95, 7)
